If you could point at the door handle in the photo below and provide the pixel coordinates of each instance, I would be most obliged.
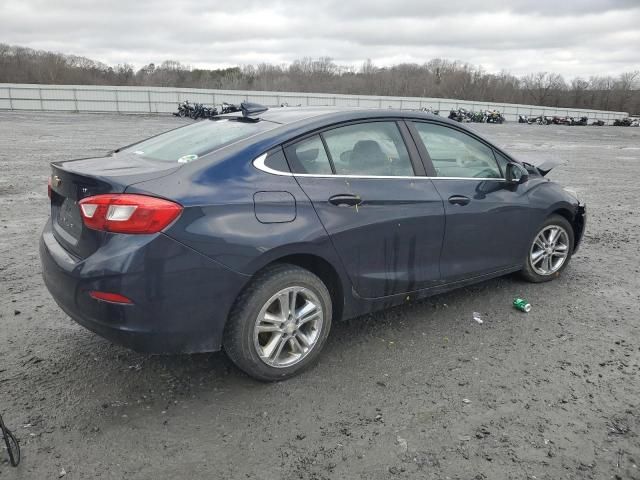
(345, 200)
(459, 200)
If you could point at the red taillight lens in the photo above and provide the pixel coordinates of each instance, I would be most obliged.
(49, 188)
(128, 213)
(110, 297)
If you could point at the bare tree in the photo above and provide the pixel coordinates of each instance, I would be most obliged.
(578, 88)
(625, 86)
(542, 86)
(440, 78)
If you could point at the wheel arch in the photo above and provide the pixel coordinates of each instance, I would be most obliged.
(324, 270)
(563, 212)
(574, 220)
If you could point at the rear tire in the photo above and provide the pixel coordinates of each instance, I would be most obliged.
(549, 251)
(279, 323)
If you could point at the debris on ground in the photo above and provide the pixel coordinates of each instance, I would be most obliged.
(11, 443)
(477, 318)
(522, 305)
(402, 442)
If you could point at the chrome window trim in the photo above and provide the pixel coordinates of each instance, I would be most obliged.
(468, 178)
(259, 163)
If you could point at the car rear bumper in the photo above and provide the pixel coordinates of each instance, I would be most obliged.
(181, 299)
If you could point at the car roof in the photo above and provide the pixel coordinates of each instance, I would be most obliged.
(301, 115)
(287, 115)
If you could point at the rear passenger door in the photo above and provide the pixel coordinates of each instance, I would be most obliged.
(383, 215)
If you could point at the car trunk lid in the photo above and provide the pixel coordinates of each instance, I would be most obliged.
(71, 181)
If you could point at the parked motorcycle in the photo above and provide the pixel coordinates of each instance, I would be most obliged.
(626, 122)
(429, 110)
(542, 120)
(184, 109)
(579, 121)
(457, 115)
(487, 116)
(229, 108)
(598, 123)
(460, 115)
(477, 117)
(494, 116)
(199, 110)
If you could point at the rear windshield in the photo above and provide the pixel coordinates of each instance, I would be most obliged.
(186, 144)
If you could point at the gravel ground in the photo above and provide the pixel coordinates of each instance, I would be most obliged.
(420, 391)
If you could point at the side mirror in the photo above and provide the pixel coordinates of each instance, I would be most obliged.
(516, 173)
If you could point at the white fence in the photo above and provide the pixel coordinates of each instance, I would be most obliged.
(83, 98)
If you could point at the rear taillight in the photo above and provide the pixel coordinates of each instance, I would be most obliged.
(128, 213)
(49, 188)
(110, 297)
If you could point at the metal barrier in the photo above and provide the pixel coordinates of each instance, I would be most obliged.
(88, 98)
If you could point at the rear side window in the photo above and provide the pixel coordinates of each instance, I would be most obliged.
(375, 148)
(309, 156)
(456, 154)
(276, 161)
(186, 144)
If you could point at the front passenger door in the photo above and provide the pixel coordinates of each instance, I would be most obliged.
(485, 215)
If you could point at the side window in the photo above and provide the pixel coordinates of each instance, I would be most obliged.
(309, 156)
(375, 148)
(276, 161)
(456, 154)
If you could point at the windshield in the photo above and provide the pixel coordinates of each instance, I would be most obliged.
(184, 145)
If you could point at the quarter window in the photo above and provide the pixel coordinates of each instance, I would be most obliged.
(374, 148)
(456, 154)
(276, 161)
(309, 156)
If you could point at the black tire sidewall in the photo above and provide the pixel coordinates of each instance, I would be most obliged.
(239, 338)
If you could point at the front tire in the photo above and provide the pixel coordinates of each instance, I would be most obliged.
(279, 324)
(549, 251)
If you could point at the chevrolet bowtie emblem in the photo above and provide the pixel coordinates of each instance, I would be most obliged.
(56, 181)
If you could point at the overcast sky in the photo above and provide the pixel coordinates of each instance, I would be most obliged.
(572, 37)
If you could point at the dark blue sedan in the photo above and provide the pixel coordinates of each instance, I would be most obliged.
(254, 231)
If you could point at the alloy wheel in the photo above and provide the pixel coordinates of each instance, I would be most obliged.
(550, 250)
(288, 327)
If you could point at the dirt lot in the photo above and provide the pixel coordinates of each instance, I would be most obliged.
(420, 391)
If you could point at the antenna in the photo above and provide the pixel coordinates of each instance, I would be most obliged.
(252, 109)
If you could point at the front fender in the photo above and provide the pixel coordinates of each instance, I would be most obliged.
(547, 198)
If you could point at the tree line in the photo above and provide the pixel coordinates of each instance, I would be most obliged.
(436, 78)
